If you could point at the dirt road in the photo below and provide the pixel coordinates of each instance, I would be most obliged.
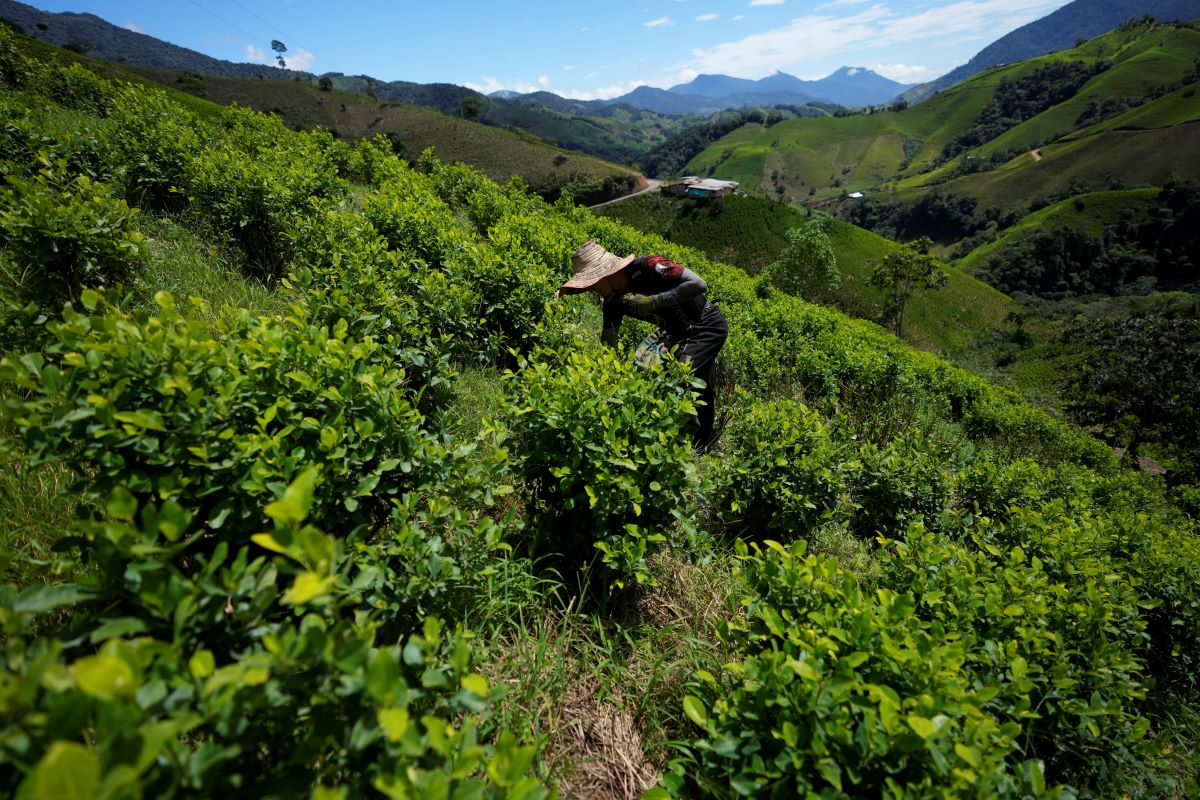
(652, 186)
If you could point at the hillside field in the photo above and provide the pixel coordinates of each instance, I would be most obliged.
(310, 486)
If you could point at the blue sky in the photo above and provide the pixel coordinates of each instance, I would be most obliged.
(582, 50)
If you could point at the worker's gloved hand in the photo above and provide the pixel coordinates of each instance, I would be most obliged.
(637, 303)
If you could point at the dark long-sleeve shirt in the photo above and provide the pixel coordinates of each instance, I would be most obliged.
(679, 298)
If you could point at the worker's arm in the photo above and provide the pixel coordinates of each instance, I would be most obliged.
(613, 314)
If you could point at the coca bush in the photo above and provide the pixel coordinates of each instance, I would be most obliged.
(603, 454)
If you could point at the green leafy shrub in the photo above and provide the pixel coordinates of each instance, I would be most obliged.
(418, 316)
(158, 142)
(74, 86)
(221, 424)
(1167, 568)
(421, 226)
(62, 233)
(1051, 636)
(894, 485)
(841, 692)
(604, 457)
(314, 704)
(254, 196)
(1027, 432)
(781, 471)
(514, 288)
(15, 69)
(373, 161)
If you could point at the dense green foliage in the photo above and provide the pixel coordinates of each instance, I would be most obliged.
(1139, 377)
(287, 552)
(597, 476)
(942, 216)
(1156, 246)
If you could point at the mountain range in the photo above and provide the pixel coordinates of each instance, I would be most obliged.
(706, 94)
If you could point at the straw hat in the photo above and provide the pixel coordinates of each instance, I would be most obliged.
(592, 264)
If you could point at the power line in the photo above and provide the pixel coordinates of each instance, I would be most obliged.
(281, 33)
(252, 36)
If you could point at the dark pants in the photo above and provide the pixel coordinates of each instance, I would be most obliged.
(699, 347)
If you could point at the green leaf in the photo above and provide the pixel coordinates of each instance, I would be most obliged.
(297, 499)
(394, 722)
(476, 683)
(122, 626)
(968, 754)
(694, 708)
(383, 674)
(142, 418)
(201, 664)
(68, 771)
(104, 676)
(831, 772)
(922, 726)
(269, 542)
(43, 597)
(122, 504)
(307, 588)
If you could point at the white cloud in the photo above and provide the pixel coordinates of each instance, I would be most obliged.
(818, 36)
(658, 23)
(569, 67)
(299, 58)
(296, 59)
(706, 18)
(767, 2)
(840, 4)
(906, 73)
(490, 84)
(739, 17)
(602, 93)
(133, 26)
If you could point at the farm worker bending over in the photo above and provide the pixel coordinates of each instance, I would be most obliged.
(661, 292)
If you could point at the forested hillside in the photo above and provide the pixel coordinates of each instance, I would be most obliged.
(310, 487)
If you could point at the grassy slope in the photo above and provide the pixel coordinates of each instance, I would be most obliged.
(1133, 157)
(498, 153)
(1099, 210)
(1143, 61)
(750, 232)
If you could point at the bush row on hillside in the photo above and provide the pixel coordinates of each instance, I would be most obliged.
(280, 515)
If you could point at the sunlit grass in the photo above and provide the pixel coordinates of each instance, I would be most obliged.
(188, 264)
(37, 508)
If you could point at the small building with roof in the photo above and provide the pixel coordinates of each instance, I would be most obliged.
(693, 186)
